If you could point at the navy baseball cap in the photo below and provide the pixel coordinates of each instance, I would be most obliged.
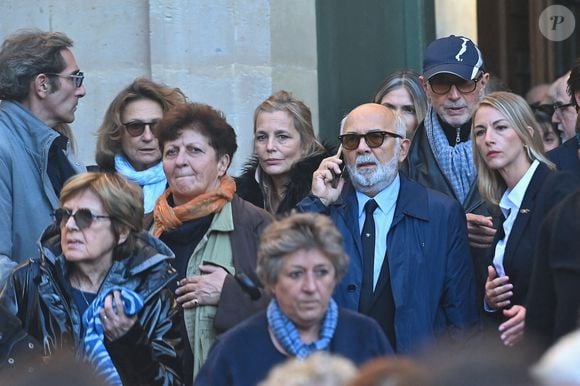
(455, 55)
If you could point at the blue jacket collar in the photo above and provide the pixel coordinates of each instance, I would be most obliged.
(412, 201)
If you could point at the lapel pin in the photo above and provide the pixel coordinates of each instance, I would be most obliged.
(524, 211)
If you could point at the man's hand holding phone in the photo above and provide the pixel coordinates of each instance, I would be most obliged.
(326, 180)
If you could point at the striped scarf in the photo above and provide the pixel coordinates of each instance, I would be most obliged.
(94, 348)
(287, 334)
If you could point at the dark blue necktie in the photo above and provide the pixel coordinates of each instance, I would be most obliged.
(368, 249)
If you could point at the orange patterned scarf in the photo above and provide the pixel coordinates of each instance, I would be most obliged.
(168, 218)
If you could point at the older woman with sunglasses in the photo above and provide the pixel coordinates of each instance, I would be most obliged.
(126, 142)
(99, 287)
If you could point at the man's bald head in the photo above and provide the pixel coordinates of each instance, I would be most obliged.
(374, 112)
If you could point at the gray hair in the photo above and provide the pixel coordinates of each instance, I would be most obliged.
(26, 54)
(296, 232)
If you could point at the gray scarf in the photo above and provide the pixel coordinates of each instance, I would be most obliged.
(456, 162)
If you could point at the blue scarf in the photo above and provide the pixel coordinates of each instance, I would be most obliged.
(94, 348)
(287, 334)
(152, 180)
(456, 162)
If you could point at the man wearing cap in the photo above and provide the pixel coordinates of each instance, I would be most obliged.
(440, 156)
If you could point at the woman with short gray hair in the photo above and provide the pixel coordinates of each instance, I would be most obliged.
(300, 261)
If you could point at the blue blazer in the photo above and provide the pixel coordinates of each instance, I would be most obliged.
(431, 269)
(565, 156)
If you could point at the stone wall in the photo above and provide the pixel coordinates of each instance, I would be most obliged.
(231, 54)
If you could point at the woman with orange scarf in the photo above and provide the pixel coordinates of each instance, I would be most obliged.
(213, 233)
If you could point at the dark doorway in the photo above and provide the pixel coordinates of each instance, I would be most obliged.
(515, 49)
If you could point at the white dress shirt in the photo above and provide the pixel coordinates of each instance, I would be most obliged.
(510, 206)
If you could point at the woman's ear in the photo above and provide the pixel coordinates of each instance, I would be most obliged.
(123, 235)
(223, 165)
(530, 130)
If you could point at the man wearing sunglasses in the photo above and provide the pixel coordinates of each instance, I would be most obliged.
(40, 87)
(409, 266)
(441, 155)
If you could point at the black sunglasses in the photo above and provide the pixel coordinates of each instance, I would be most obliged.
(77, 78)
(83, 217)
(373, 139)
(137, 128)
(442, 86)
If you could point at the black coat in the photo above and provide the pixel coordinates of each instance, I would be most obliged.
(546, 189)
(565, 156)
(299, 185)
(554, 297)
(19, 352)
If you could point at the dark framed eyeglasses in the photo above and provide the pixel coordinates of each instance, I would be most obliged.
(77, 78)
(373, 139)
(547, 109)
(442, 86)
(137, 128)
(83, 217)
(560, 106)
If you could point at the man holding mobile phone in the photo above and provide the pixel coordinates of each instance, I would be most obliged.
(410, 266)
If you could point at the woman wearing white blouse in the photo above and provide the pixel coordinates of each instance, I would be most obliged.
(514, 174)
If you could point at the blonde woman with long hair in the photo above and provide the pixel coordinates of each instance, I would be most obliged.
(514, 174)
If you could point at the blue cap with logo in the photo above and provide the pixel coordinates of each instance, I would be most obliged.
(455, 55)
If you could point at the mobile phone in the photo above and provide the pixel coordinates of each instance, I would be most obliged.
(336, 176)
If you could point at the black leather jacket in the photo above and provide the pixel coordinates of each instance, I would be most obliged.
(38, 293)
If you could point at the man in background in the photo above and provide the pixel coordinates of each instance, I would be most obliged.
(441, 155)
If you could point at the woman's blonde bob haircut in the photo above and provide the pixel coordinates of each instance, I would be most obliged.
(521, 118)
(300, 115)
(121, 199)
(299, 231)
